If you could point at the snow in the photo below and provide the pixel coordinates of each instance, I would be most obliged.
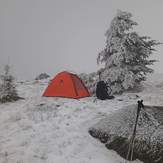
(55, 130)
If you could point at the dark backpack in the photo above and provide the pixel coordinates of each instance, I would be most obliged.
(102, 91)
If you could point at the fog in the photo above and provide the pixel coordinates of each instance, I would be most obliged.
(55, 35)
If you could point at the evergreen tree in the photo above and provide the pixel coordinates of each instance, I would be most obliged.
(126, 54)
(8, 91)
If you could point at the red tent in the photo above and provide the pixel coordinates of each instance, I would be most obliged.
(66, 84)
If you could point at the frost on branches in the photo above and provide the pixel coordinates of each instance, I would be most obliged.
(126, 54)
(90, 81)
(8, 91)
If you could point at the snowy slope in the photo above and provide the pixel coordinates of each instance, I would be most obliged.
(55, 130)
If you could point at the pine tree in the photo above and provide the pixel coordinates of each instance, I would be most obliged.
(126, 54)
(8, 91)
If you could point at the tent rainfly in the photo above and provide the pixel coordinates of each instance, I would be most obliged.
(67, 85)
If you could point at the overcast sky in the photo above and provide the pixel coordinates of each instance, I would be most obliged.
(55, 35)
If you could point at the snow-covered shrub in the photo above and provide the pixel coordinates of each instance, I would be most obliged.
(116, 130)
(90, 81)
(42, 76)
(126, 54)
(8, 91)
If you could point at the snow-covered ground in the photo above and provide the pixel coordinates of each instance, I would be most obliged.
(55, 130)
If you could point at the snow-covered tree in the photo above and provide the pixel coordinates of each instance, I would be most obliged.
(126, 54)
(8, 91)
(90, 81)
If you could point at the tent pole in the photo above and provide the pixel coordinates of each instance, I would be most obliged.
(131, 144)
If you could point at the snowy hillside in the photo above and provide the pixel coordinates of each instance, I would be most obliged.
(55, 130)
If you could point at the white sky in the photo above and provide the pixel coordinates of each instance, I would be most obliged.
(55, 35)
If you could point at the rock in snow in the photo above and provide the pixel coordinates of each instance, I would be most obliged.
(42, 76)
(116, 130)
